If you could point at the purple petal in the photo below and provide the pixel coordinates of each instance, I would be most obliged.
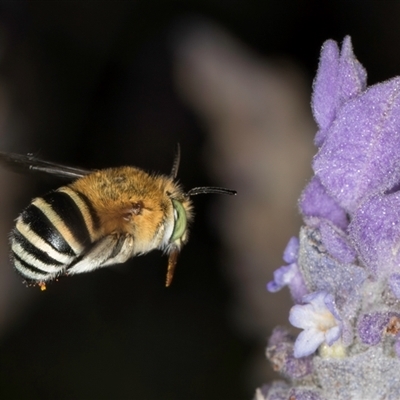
(336, 243)
(394, 284)
(288, 275)
(330, 304)
(370, 327)
(282, 277)
(375, 231)
(344, 328)
(297, 286)
(352, 75)
(291, 251)
(360, 155)
(315, 203)
(318, 300)
(339, 78)
(332, 335)
(325, 85)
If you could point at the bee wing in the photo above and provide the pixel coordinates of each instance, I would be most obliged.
(20, 163)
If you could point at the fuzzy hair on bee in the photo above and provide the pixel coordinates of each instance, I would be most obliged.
(101, 218)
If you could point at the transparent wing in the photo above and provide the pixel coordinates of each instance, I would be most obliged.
(21, 163)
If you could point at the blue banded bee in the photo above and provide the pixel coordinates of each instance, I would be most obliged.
(103, 217)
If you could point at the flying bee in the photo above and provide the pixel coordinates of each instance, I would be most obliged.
(103, 217)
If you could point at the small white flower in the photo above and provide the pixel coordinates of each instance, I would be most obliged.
(318, 321)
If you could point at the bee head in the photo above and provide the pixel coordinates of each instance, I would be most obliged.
(181, 215)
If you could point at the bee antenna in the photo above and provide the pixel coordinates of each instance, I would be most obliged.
(177, 161)
(208, 189)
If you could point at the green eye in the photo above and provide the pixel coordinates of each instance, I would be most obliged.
(180, 221)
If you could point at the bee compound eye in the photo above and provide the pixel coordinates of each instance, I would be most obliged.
(180, 220)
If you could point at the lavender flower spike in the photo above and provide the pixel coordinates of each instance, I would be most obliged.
(344, 271)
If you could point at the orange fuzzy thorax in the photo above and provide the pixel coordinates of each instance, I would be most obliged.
(129, 200)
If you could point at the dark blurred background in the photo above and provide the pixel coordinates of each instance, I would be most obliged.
(95, 84)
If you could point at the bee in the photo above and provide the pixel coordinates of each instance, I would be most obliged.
(101, 218)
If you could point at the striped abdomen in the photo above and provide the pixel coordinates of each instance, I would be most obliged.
(52, 233)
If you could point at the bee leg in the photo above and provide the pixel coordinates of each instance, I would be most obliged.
(112, 249)
(121, 253)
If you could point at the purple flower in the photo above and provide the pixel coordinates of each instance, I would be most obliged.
(291, 251)
(317, 319)
(340, 77)
(347, 259)
(359, 156)
(337, 243)
(372, 326)
(282, 277)
(324, 99)
(375, 232)
(316, 204)
(289, 275)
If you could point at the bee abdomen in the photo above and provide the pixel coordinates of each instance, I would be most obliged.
(51, 233)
